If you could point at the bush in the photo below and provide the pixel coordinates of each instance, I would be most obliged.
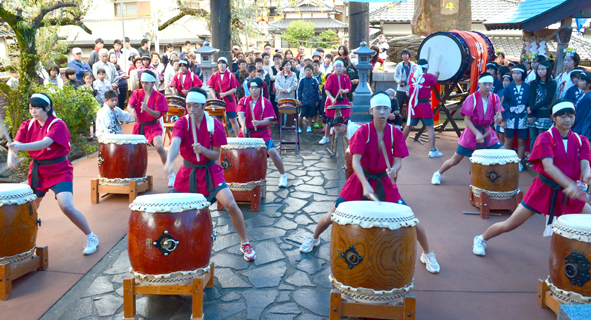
(298, 32)
(327, 40)
(76, 107)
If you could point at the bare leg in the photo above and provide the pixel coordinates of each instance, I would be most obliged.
(323, 223)
(431, 132)
(508, 143)
(226, 198)
(422, 238)
(454, 160)
(301, 122)
(521, 148)
(160, 148)
(235, 126)
(276, 160)
(406, 131)
(519, 216)
(66, 202)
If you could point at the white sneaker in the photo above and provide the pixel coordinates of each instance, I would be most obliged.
(431, 262)
(91, 244)
(435, 153)
(324, 140)
(283, 181)
(520, 167)
(436, 179)
(479, 246)
(171, 179)
(309, 244)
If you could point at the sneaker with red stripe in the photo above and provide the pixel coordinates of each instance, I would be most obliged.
(249, 254)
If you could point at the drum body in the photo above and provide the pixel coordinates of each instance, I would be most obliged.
(244, 161)
(570, 256)
(287, 106)
(215, 104)
(122, 158)
(373, 251)
(495, 172)
(18, 222)
(170, 237)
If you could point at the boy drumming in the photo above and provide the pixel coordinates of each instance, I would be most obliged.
(480, 110)
(373, 179)
(223, 85)
(148, 113)
(199, 172)
(258, 127)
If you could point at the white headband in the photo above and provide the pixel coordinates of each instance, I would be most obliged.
(42, 97)
(380, 100)
(338, 62)
(562, 105)
(518, 69)
(424, 66)
(147, 77)
(486, 79)
(195, 97)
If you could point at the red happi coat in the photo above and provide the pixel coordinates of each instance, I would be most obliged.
(156, 101)
(191, 80)
(228, 83)
(260, 113)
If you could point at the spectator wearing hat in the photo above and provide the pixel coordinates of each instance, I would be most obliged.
(79, 66)
(144, 50)
(111, 72)
(184, 80)
(223, 85)
(403, 71)
(94, 56)
(316, 56)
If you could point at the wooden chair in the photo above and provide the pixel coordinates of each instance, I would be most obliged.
(168, 123)
(219, 112)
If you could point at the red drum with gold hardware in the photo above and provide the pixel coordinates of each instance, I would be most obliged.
(287, 106)
(373, 251)
(18, 222)
(122, 158)
(215, 104)
(570, 259)
(170, 237)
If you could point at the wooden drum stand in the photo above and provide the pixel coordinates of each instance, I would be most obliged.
(486, 204)
(132, 288)
(12, 271)
(545, 299)
(132, 189)
(342, 307)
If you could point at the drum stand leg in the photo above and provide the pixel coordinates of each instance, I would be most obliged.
(341, 307)
(94, 191)
(545, 298)
(132, 189)
(10, 272)
(133, 288)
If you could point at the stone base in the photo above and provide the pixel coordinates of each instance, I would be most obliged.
(360, 108)
(574, 312)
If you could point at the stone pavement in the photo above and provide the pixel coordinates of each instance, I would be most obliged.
(284, 284)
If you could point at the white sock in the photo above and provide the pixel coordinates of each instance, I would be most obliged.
(90, 235)
(247, 242)
(284, 175)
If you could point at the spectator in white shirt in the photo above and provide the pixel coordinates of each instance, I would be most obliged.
(326, 67)
(109, 118)
(384, 46)
(171, 70)
(13, 80)
(129, 49)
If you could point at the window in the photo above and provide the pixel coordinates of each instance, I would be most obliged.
(129, 9)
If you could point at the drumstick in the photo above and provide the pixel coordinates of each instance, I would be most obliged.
(383, 147)
(195, 134)
(4, 131)
(252, 113)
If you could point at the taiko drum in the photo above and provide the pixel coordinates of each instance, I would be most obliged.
(244, 160)
(570, 259)
(373, 250)
(495, 170)
(170, 236)
(122, 156)
(18, 222)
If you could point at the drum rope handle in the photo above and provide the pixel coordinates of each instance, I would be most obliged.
(194, 130)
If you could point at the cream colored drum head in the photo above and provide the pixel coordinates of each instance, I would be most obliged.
(16, 193)
(124, 139)
(245, 143)
(369, 214)
(574, 226)
(451, 56)
(490, 157)
(169, 202)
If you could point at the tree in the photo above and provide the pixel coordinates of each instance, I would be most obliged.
(298, 33)
(26, 18)
(327, 39)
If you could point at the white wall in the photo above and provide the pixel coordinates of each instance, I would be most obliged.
(3, 49)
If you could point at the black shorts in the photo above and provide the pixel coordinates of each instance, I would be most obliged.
(307, 111)
(66, 186)
(328, 121)
(210, 197)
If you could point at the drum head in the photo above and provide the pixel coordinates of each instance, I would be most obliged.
(124, 139)
(369, 214)
(338, 106)
(490, 157)
(245, 143)
(578, 223)
(169, 202)
(452, 55)
(16, 193)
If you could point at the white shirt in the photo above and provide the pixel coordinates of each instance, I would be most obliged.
(109, 121)
(485, 104)
(563, 83)
(384, 46)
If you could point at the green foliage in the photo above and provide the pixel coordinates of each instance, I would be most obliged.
(77, 107)
(299, 32)
(243, 22)
(327, 39)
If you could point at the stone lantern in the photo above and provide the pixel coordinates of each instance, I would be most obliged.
(207, 64)
(362, 95)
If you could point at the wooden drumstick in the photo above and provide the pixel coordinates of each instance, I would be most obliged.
(252, 113)
(194, 130)
(383, 147)
(5, 132)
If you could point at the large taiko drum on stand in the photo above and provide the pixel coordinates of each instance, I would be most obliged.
(464, 55)
(495, 172)
(373, 251)
(122, 158)
(570, 259)
(244, 161)
(170, 237)
(18, 222)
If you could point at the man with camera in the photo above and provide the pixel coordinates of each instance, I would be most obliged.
(403, 70)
